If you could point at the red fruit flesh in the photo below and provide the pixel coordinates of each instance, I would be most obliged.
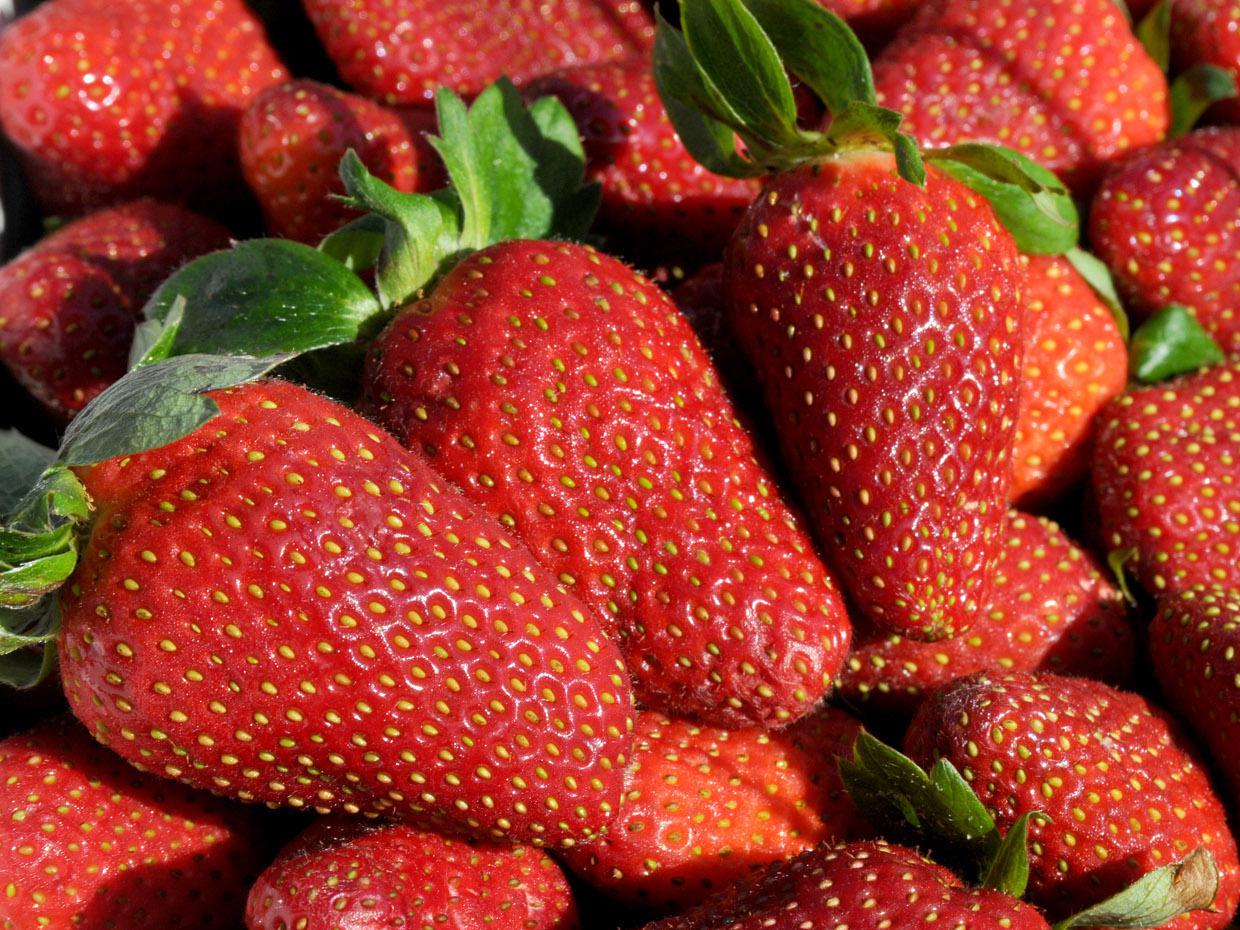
(568, 397)
(883, 321)
(286, 606)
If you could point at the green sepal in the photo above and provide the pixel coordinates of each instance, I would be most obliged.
(22, 461)
(38, 541)
(27, 647)
(1154, 32)
(868, 124)
(1156, 897)
(356, 245)
(1098, 277)
(153, 339)
(1194, 91)
(1171, 343)
(1029, 200)
(1008, 870)
(1117, 561)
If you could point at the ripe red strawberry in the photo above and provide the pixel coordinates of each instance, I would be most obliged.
(286, 606)
(348, 873)
(401, 51)
(1208, 32)
(656, 197)
(105, 106)
(293, 137)
(1075, 361)
(69, 305)
(568, 397)
(1052, 609)
(92, 844)
(1063, 81)
(874, 21)
(1166, 221)
(861, 886)
(705, 807)
(1166, 474)
(1118, 782)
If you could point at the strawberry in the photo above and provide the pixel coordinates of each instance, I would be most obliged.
(704, 807)
(286, 606)
(874, 21)
(401, 51)
(1119, 784)
(656, 197)
(68, 306)
(566, 395)
(1166, 221)
(1208, 32)
(861, 886)
(1063, 81)
(293, 137)
(90, 843)
(1166, 475)
(1075, 361)
(105, 107)
(347, 873)
(1052, 609)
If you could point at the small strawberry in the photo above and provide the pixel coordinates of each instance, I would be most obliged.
(1052, 609)
(90, 843)
(1063, 81)
(68, 306)
(341, 873)
(1207, 32)
(106, 107)
(1166, 475)
(1075, 361)
(705, 807)
(1118, 783)
(293, 137)
(1166, 221)
(401, 51)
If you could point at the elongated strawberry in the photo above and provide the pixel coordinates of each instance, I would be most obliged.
(348, 873)
(90, 843)
(1118, 783)
(705, 807)
(465, 44)
(1166, 221)
(1052, 609)
(68, 305)
(1166, 474)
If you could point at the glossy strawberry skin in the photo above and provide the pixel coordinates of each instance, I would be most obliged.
(862, 886)
(105, 107)
(1052, 609)
(89, 842)
(287, 607)
(350, 873)
(1063, 81)
(1208, 32)
(1117, 779)
(569, 398)
(466, 45)
(293, 137)
(1075, 362)
(705, 807)
(68, 306)
(1167, 222)
(656, 198)
(1166, 475)
(890, 361)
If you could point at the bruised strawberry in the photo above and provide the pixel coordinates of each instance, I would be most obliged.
(568, 397)
(348, 873)
(704, 807)
(286, 606)
(91, 843)
(1052, 609)
(68, 306)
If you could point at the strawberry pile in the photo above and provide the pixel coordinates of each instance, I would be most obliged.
(632, 427)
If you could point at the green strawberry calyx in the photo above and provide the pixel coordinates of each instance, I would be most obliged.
(940, 811)
(1171, 343)
(724, 80)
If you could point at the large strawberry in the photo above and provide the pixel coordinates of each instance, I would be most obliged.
(1052, 608)
(401, 51)
(90, 843)
(342, 873)
(1166, 221)
(68, 306)
(1063, 81)
(105, 105)
(704, 807)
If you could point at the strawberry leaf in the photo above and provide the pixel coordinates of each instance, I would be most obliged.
(22, 461)
(1098, 277)
(1156, 897)
(1171, 343)
(1195, 91)
(1154, 32)
(1008, 870)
